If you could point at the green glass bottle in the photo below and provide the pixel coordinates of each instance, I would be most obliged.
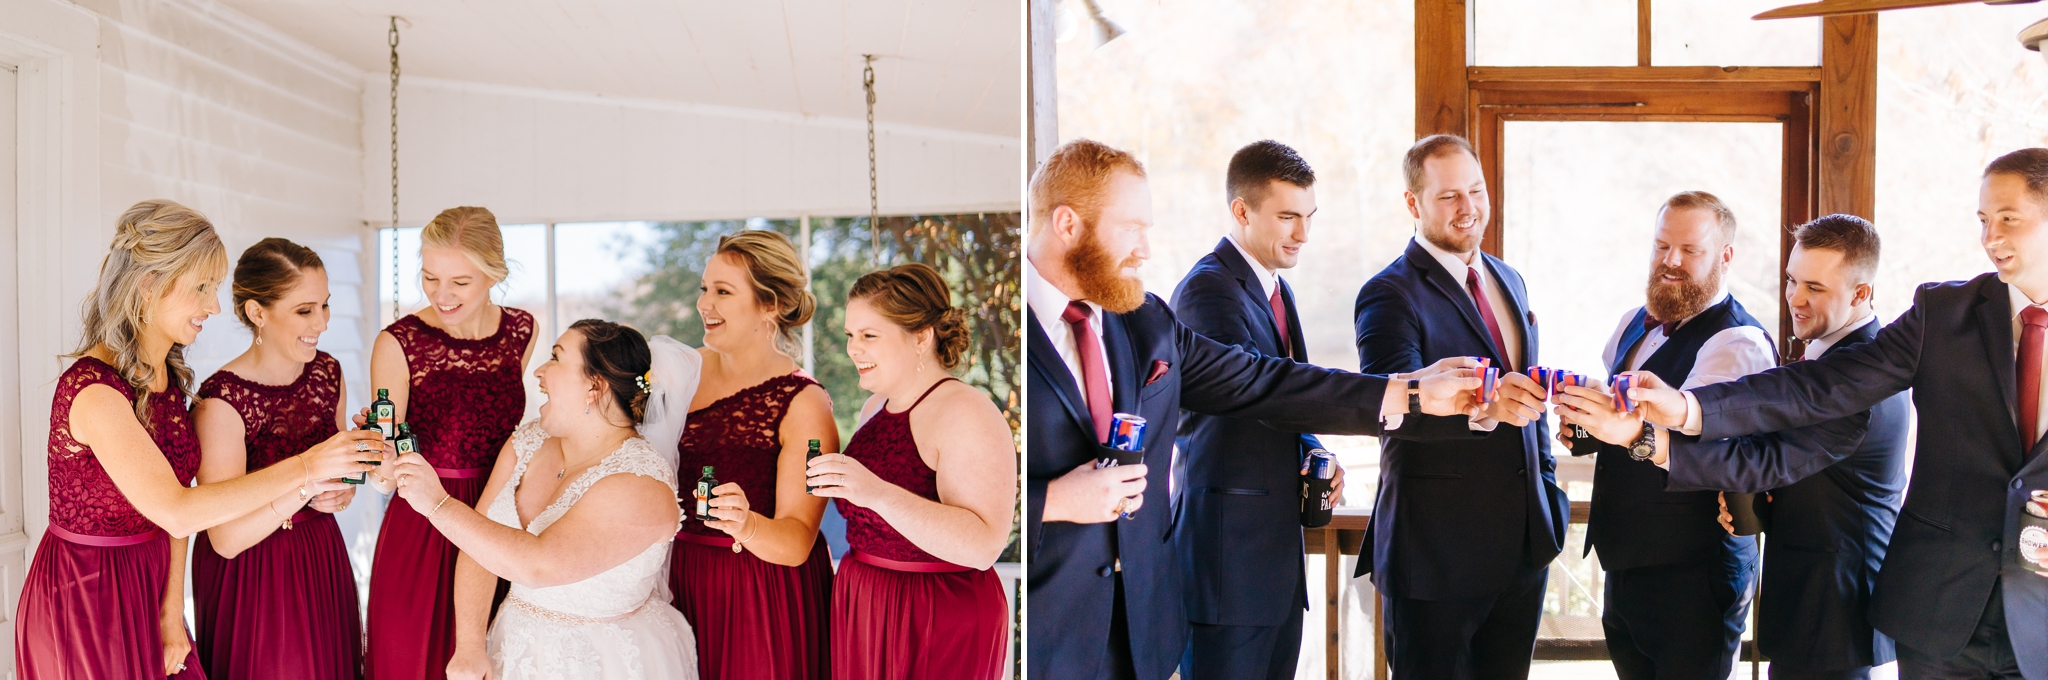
(406, 442)
(704, 485)
(383, 413)
(808, 457)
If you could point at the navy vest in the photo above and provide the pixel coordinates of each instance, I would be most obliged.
(1635, 522)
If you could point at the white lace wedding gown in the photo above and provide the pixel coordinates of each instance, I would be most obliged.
(617, 625)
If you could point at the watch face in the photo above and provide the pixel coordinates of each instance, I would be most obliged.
(1641, 451)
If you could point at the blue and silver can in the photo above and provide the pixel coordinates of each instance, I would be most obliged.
(1126, 432)
(1318, 478)
(1621, 401)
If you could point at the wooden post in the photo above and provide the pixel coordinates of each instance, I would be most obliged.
(1443, 48)
(1333, 564)
(1847, 114)
(1042, 127)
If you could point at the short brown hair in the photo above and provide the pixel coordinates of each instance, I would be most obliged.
(268, 270)
(1261, 163)
(1700, 200)
(914, 297)
(781, 282)
(1077, 175)
(1427, 148)
(2029, 164)
(1854, 237)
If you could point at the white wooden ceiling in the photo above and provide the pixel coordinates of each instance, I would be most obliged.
(952, 64)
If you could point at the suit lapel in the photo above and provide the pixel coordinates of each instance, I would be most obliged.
(1518, 307)
(1630, 335)
(1994, 314)
(1124, 376)
(1046, 361)
(1298, 351)
(1248, 281)
(1451, 289)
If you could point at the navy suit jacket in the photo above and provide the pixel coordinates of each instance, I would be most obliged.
(1157, 367)
(1833, 491)
(1464, 516)
(1958, 532)
(1241, 511)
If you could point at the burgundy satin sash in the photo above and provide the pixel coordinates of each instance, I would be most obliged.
(104, 541)
(305, 515)
(913, 567)
(461, 473)
(700, 539)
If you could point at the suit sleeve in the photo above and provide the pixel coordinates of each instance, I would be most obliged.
(1221, 380)
(1034, 513)
(1760, 462)
(1207, 304)
(1838, 385)
(1389, 339)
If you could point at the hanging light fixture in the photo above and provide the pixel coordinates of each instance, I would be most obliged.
(1105, 30)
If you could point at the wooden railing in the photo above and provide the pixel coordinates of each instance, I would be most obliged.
(1342, 537)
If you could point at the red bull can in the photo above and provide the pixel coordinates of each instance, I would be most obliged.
(1318, 487)
(2034, 531)
(1621, 401)
(1126, 441)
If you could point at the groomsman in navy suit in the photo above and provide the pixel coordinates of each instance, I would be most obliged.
(1955, 590)
(1104, 579)
(1464, 528)
(1241, 522)
(1677, 583)
(1829, 493)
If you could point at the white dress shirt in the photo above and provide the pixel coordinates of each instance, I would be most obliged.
(1268, 278)
(1496, 297)
(1818, 347)
(1729, 354)
(1048, 304)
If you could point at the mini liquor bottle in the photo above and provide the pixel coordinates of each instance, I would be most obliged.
(704, 485)
(383, 413)
(406, 442)
(809, 456)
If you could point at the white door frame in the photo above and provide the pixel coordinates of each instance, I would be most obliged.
(53, 46)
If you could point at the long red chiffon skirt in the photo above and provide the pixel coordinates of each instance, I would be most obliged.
(284, 608)
(890, 624)
(92, 611)
(754, 620)
(412, 588)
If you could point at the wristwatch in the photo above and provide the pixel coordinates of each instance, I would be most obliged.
(1644, 447)
(1414, 398)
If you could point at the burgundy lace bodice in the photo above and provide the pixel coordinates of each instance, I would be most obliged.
(466, 396)
(281, 421)
(885, 446)
(740, 436)
(82, 498)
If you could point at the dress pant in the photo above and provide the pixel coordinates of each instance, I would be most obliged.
(1246, 652)
(1860, 673)
(1988, 654)
(1677, 621)
(1484, 638)
(1116, 662)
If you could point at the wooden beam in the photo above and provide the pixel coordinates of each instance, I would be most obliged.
(1643, 33)
(1599, 77)
(1443, 49)
(1333, 564)
(1846, 162)
(1042, 128)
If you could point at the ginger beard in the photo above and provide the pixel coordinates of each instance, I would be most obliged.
(1688, 296)
(1101, 277)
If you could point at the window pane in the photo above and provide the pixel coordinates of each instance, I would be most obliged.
(1554, 33)
(1721, 33)
(597, 267)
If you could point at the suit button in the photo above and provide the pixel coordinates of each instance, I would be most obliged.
(1103, 572)
(1524, 472)
(2016, 483)
(1997, 545)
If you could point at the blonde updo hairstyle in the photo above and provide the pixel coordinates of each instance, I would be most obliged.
(782, 285)
(474, 232)
(914, 297)
(156, 243)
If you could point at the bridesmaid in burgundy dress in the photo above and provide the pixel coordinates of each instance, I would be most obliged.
(275, 594)
(104, 596)
(755, 579)
(928, 486)
(454, 372)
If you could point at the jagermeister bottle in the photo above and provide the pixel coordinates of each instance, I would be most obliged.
(383, 413)
(809, 456)
(402, 444)
(704, 485)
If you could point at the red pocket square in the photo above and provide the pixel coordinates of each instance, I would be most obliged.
(1159, 367)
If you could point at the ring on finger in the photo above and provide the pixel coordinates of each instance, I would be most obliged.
(362, 446)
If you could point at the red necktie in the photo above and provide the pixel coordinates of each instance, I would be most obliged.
(2034, 329)
(1092, 379)
(1486, 313)
(1279, 316)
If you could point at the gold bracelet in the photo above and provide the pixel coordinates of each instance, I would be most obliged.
(305, 483)
(437, 507)
(287, 521)
(736, 544)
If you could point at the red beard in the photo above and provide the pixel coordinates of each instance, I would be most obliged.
(1682, 300)
(1101, 278)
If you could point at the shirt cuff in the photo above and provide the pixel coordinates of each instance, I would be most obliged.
(1694, 421)
(1394, 405)
(1482, 424)
(1662, 457)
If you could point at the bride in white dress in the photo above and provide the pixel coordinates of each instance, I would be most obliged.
(578, 515)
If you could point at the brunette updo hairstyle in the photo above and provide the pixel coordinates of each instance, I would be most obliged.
(781, 282)
(267, 271)
(617, 356)
(915, 297)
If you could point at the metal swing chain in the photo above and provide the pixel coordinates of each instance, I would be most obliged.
(867, 81)
(393, 39)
